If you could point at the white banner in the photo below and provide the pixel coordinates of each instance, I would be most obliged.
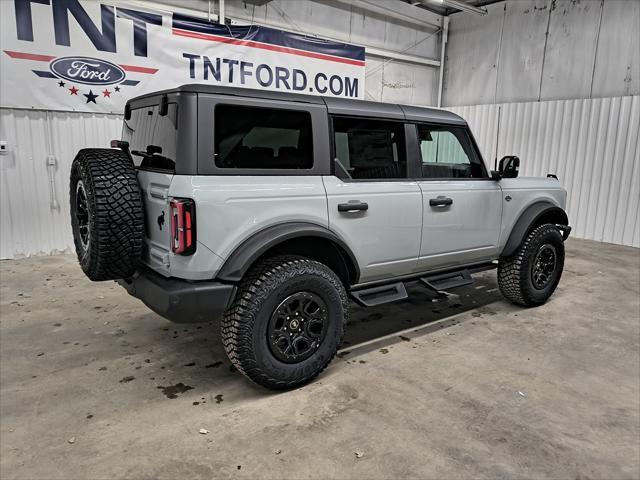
(91, 56)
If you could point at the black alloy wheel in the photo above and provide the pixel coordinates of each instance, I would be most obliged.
(543, 266)
(286, 321)
(83, 216)
(297, 327)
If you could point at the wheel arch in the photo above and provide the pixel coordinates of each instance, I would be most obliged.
(533, 216)
(296, 238)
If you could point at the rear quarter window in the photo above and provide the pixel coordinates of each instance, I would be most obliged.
(262, 138)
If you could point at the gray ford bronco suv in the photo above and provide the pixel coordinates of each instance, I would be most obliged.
(270, 210)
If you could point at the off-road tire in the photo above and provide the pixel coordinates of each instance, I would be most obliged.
(515, 278)
(113, 246)
(245, 323)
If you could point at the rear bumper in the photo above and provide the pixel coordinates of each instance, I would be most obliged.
(178, 300)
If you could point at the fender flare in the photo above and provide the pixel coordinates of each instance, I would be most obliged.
(531, 215)
(241, 259)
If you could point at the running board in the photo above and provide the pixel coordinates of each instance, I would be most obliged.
(371, 297)
(447, 281)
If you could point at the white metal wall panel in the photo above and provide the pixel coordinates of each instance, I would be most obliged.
(592, 145)
(521, 51)
(570, 51)
(531, 50)
(31, 222)
(406, 83)
(471, 59)
(617, 67)
(484, 122)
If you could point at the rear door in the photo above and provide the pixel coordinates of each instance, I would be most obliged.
(152, 141)
(373, 203)
(462, 206)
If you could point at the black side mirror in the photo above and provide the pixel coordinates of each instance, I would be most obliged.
(509, 166)
(153, 150)
(127, 112)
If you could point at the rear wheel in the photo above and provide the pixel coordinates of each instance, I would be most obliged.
(106, 213)
(287, 321)
(531, 275)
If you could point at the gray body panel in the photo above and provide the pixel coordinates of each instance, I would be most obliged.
(400, 234)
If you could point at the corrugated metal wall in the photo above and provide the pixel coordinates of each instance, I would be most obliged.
(34, 197)
(529, 50)
(592, 145)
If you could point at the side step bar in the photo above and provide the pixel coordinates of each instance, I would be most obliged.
(370, 297)
(446, 281)
(393, 292)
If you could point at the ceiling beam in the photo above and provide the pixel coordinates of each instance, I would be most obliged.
(399, 11)
(457, 4)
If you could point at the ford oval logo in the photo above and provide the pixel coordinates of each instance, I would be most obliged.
(90, 71)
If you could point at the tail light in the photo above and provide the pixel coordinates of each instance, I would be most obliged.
(183, 226)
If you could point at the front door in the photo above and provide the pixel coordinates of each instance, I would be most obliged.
(373, 205)
(462, 206)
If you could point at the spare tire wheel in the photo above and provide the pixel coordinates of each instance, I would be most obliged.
(107, 215)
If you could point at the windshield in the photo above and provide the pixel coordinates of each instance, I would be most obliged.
(152, 137)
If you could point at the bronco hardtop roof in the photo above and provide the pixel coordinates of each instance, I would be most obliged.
(335, 106)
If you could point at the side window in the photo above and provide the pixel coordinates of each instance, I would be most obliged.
(370, 149)
(250, 137)
(152, 137)
(447, 153)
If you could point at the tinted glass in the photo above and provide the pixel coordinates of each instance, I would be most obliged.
(447, 153)
(370, 149)
(248, 137)
(152, 138)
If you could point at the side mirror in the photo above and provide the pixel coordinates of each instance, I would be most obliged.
(509, 166)
(153, 150)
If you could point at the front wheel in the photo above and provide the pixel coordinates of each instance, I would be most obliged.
(286, 322)
(531, 275)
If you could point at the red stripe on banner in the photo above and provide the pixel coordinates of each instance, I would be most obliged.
(133, 68)
(266, 46)
(29, 56)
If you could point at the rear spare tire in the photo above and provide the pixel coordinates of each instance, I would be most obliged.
(106, 213)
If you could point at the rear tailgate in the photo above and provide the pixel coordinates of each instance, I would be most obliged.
(155, 196)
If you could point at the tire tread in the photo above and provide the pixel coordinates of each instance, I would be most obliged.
(117, 214)
(513, 270)
(256, 286)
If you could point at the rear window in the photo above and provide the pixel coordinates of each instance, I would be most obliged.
(262, 138)
(152, 137)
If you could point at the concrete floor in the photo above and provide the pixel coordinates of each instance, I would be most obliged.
(93, 385)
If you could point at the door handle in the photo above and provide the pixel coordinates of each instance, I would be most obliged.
(353, 206)
(440, 201)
